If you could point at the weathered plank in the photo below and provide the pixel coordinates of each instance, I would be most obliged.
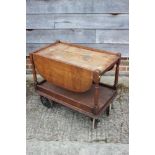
(48, 36)
(79, 6)
(122, 48)
(112, 36)
(78, 36)
(39, 21)
(91, 21)
(85, 21)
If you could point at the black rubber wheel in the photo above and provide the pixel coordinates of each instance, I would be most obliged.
(108, 110)
(46, 102)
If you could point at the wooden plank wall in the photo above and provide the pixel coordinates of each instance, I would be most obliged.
(102, 24)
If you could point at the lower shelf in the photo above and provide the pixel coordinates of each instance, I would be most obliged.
(81, 102)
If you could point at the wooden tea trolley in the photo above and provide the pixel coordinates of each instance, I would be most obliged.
(72, 77)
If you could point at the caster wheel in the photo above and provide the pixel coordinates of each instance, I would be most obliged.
(46, 102)
(108, 110)
(97, 120)
(94, 122)
(112, 106)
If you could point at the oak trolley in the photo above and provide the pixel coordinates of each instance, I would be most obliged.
(72, 77)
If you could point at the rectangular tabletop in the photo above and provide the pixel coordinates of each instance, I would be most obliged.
(89, 59)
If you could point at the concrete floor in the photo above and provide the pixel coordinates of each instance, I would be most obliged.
(60, 130)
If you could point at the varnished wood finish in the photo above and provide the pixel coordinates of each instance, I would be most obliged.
(116, 74)
(72, 66)
(33, 70)
(122, 48)
(96, 94)
(82, 102)
(64, 75)
(79, 56)
(64, 80)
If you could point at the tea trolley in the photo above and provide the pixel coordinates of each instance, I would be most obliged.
(72, 76)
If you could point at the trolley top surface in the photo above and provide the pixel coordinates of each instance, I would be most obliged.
(87, 58)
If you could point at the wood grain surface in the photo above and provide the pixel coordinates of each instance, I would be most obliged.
(71, 66)
(71, 21)
(122, 48)
(79, 6)
(78, 36)
(102, 24)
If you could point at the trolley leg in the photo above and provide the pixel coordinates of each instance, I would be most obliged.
(94, 121)
(112, 106)
(33, 71)
(116, 75)
(108, 110)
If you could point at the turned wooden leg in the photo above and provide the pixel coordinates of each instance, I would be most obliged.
(96, 79)
(116, 75)
(33, 71)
